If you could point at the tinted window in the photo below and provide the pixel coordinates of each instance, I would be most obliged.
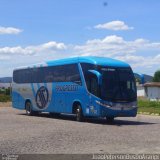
(23, 75)
(94, 86)
(72, 74)
(118, 84)
(37, 75)
(63, 73)
(85, 68)
(59, 74)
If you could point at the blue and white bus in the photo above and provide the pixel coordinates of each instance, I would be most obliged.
(83, 86)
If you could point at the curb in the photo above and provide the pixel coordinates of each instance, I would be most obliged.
(148, 113)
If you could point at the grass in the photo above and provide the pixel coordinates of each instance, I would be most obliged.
(5, 98)
(148, 106)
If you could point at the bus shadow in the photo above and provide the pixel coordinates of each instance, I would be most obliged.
(101, 121)
(118, 122)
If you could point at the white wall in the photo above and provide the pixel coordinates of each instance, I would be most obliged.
(5, 85)
(140, 91)
(153, 93)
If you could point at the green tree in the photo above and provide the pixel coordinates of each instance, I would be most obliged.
(156, 77)
(8, 91)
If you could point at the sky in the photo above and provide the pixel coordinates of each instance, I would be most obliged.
(42, 30)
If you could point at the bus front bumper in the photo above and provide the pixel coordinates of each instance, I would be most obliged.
(109, 112)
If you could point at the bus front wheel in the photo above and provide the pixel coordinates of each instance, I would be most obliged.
(29, 110)
(79, 114)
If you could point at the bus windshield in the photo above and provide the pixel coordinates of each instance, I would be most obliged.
(118, 84)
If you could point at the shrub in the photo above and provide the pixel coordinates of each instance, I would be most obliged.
(5, 98)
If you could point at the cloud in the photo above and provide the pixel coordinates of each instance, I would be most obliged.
(114, 25)
(132, 52)
(141, 61)
(4, 57)
(13, 57)
(142, 64)
(112, 45)
(33, 50)
(9, 30)
(53, 45)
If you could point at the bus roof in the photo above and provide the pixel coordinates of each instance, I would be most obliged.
(84, 59)
(89, 59)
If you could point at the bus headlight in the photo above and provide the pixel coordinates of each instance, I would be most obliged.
(104, 105)
(134, 104)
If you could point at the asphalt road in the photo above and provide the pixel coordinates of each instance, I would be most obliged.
(42, 134)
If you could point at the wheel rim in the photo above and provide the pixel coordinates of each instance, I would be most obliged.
(78, 114)
(28, 108)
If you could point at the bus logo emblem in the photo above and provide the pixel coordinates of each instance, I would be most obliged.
(42, 97)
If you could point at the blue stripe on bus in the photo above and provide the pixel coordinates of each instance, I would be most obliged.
(45, 84)
(33, 90)
(38, 85)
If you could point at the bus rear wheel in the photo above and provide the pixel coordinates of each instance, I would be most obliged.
(29, 111)
(79, 114)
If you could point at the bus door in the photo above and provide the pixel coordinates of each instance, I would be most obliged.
(59, 98)
(74, 92)
(92, 82)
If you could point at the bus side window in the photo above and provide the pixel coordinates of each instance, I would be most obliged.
(94, 86)
(72, 74)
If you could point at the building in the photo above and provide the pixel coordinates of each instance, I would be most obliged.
(140, 90)
(152, 91)
(5, 85)
(141, 79)
(5, 82)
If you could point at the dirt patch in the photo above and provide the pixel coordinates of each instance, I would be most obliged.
(5, 104)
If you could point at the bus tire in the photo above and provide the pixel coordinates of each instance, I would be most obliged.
(28, 107)
(79, 114)
(110, 119)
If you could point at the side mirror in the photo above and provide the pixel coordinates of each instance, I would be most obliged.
(93, 82)
(97, 74)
